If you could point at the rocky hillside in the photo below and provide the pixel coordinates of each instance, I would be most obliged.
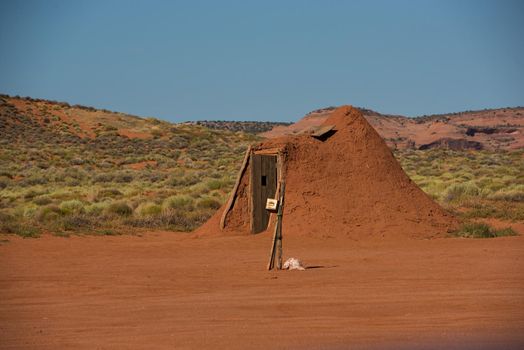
(486, 129)
(68, 168)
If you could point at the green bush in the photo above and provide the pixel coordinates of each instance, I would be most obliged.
(457, 192)
(186, 180)
(124, 178)
(103, 178)
(95, 209)
(29, 211)
(178, 202)
(11, 224)
(72, 206)
(215, 184)
(75, 222)
(511, 195)
(119, 209)
(49, 213)
(42, 200)
(208, 203)
(148, 209)
(107, 193)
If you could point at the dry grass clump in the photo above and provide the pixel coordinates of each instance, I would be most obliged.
(481, 230)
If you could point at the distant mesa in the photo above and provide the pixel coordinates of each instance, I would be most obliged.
(486, 129)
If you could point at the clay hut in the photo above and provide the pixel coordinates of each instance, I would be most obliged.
(341, 180)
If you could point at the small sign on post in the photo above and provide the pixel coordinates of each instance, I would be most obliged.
(272, 204)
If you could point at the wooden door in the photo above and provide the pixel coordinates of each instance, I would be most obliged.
(263, 186)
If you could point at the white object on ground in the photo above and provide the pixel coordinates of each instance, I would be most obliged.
(293, 264)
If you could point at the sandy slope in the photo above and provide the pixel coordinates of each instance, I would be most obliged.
(166, 290)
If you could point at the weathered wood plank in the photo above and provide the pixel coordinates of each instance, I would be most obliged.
(268, 151)
(232, 197)
(264, 183)
(252, 193)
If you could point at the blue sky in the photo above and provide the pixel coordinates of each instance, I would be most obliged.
(264, 60)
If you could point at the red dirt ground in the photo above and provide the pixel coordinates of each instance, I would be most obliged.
(168, 290)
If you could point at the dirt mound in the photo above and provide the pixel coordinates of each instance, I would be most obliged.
(347, 185)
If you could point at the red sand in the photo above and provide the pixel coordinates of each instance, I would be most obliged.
(170, 291)
(350, 186)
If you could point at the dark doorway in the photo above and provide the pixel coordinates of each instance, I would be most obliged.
(263, 186)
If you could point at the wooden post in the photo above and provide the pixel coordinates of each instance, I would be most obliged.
(231, 199)
(279, 232)
(276, 248)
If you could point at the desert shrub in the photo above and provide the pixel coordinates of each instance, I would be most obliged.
(505, 210)
(186, 180)
(177, 220)
(95, 209)
(198, 190)
(25, 230)
(73, 206)
(42, 200)
(178, 202)
(31, 194)
(215, 184)
(6, 222)
(119, 209)
(33, 180)
(208, 203)
(77, 161)
(11, 224)
(481, 230)
(29, 211)
(3, 183)
(73, 182)
(124, 178)
(148, 209)
(156, 133)
(76, 221)
(153, 176)
(481, 212)
(107, 193)
(5, 173)
(105, 165)
(48, 213)
(456, 192)
(199, 217)
(515, 194)
(103, 178)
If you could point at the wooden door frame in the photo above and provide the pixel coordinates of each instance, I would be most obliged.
(276, 152)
